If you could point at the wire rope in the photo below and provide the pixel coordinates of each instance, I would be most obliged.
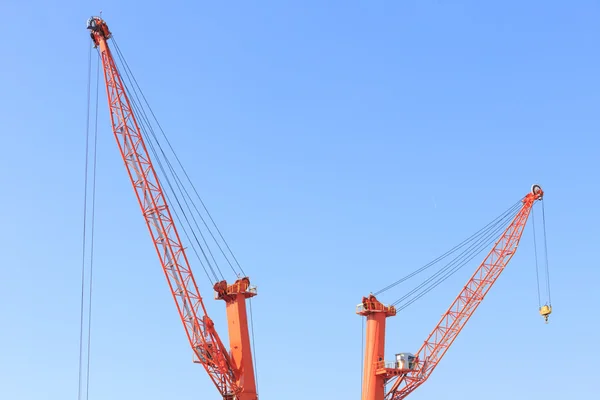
(253, 344)
(463, 253)
(86, 353)
(535, 254)
(180, 215)
(182, 186)
(85, 203)
(454, 265)
(449, 252)
(362, 353)
(92, 230)
(546, 254)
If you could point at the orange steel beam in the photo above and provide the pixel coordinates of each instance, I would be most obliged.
(226, 373)
(235, 296)
(374, 364)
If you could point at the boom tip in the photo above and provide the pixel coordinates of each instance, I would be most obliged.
(537, 191)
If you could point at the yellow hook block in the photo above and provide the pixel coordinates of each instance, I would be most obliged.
(545, 312)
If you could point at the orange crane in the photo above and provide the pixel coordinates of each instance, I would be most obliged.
(231, 371)
(409, 371)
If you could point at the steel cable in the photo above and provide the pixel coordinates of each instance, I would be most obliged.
(87, 352)
(85, 203)
(457, 263)
(451, 251)
(467, 257)
(535, 253)
(145, 126)
(183, 189)
(546, 254)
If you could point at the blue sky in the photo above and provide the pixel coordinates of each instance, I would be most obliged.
(339, 145)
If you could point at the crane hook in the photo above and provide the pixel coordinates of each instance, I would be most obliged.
(545, 312)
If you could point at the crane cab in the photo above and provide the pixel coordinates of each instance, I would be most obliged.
(405, 361)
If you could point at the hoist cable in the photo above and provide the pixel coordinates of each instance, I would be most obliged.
(477, 237)
(208, 248)
(456, 264)
(93, 223)
(178, 181)
(362, 353)
(85, 203)
(181, 190)
(177, 213)
(253, 344)
(478, 234)
(190, 182)
(462, 259)
(469, 256)
(166, 194)
(451, 251)
(184, 190)
(186, 196)
(124, 61)
(546, 254)
(535, 254)
(145, 126)
(177, 201)
(185, 216)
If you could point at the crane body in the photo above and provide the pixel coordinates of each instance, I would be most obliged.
(409, 371)
(232, 373)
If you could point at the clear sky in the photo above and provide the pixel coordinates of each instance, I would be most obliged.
(339, 145)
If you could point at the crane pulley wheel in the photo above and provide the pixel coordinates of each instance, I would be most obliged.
(536, 189)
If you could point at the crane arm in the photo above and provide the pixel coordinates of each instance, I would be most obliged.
(465, 304)
(204, 340)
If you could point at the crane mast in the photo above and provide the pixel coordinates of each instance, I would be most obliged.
(410, 371)
(232, 373)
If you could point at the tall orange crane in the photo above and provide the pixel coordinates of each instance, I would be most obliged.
(231, 371)
(409, 371)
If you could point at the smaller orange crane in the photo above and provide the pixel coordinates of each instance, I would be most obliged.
(409, 371)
